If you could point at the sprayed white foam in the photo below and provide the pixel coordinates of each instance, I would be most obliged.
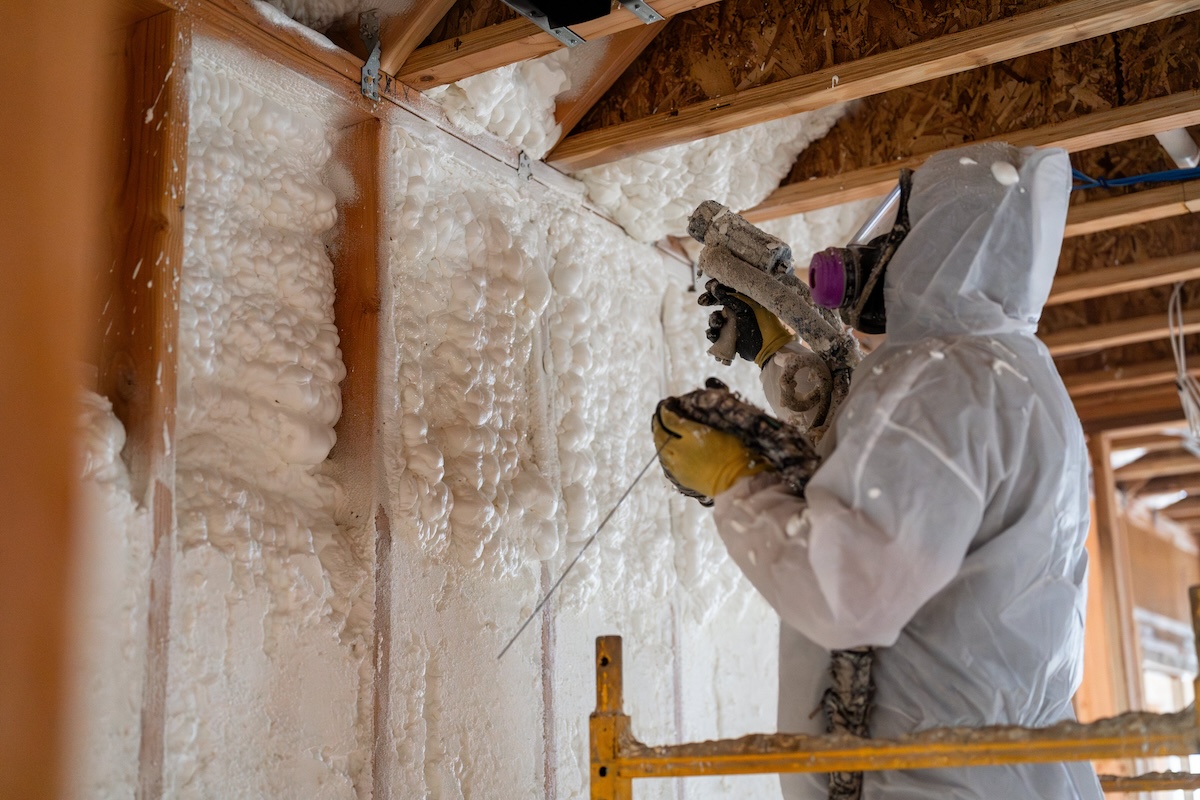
(652, 195)
(514, 102)
(111, 591)
(320, 14)
(264, 684)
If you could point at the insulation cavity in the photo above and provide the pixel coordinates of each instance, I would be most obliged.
(321, 14)
(111, 586)
(263, 686)
(514, 102)
(469, 284)
(652, 194)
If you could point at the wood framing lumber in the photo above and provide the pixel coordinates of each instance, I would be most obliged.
(1115, 569)
(1138, 409)
(516, 40)
(1043, 29)
(1127, 278)
(400, 35)
(356, 265)
(137, 370)
(1098, 129)
(1133, 209)
(1150, 442)
(1173, 483)
(621, 49)
(1124, 376)
(1157, 465)
(1088, 338)
(52, 239)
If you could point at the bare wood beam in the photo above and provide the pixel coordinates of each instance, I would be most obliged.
(1115, 563)
(1158, 465)
(513, 41)
(621, 49)
(1127, 278)
(1139, 410)
(138, 359)
(402, 34)
(1088, 338)
(1098, 129)
(1188, 509)
(1150, 442)
(1174, 483)
(1060, 24)
(1134, 208)
(1126, 376)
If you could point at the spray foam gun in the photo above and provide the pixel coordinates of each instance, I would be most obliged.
(759, 265)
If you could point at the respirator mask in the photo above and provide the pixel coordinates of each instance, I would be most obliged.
(850, 279)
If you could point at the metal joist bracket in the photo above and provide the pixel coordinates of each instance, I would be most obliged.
(524, 166)
(368, 31)
(531, 12)
(641, 10)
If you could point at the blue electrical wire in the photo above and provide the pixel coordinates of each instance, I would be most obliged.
(1087, 182)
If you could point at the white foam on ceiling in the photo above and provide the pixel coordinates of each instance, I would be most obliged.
(514, 102)
(320, 14)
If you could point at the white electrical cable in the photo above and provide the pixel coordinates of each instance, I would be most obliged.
(1188, 386)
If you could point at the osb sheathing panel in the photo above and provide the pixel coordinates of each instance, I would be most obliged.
(738, 44)
(470, 15)
(1093, 75)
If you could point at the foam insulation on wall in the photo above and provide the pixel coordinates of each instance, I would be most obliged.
(111, 589)
(266, 644)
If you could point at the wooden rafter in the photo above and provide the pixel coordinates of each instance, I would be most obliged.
(1127, 278)
(401, 34)
(1155, 407)
(1125, 376)
(1134, 208)
(1169, 484)
(1158, 465)
(1088, 338)
(509, 42)
(1188, 508)
(1085, 132)
(1031, 32)
(1150, 442)
(621, 49)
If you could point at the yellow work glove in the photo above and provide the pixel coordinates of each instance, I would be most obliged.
(701, 460)
(760, 334)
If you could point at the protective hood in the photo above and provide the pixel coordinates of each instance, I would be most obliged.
(987, 226)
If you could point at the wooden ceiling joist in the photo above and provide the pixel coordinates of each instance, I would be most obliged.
(400, 35)
(1085, 132)
(1150, 442)
(1129, 376)
(1134, 208)
(1159, 465)
(1088, 338)
(1170, 484)
(1026, 33)
(509, 42)
(1188, 508)
(1128, 278)
(621, 49)
(1141, 409)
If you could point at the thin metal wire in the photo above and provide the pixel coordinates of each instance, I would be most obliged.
(582, 550)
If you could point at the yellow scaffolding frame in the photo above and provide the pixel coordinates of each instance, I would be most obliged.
(617, 758)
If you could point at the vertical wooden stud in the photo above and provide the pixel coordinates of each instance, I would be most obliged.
(608, 724)
(138, 352)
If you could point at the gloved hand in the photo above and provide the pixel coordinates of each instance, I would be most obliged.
(701, 460)
(760, 334)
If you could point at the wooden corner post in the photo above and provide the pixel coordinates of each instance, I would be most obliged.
(608, 724)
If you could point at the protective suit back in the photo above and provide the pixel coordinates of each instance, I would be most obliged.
(946, 525)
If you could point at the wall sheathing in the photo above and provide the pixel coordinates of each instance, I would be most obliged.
(525, 342)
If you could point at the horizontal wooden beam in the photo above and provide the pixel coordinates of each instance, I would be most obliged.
(1158, 465)
(1088, 338)
(1167, 485)
(1126, 278)
(1043, 29)
(1125, 376)
(1098, 129)
(516, 40)
(1150, 442)
(1139, 409)
(1133, 209)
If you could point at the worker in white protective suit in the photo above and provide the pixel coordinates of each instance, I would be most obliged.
(945, 526)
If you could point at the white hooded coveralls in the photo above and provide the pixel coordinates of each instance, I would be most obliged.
(946, 525)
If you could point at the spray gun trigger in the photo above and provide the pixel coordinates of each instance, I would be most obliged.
(725, 348)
